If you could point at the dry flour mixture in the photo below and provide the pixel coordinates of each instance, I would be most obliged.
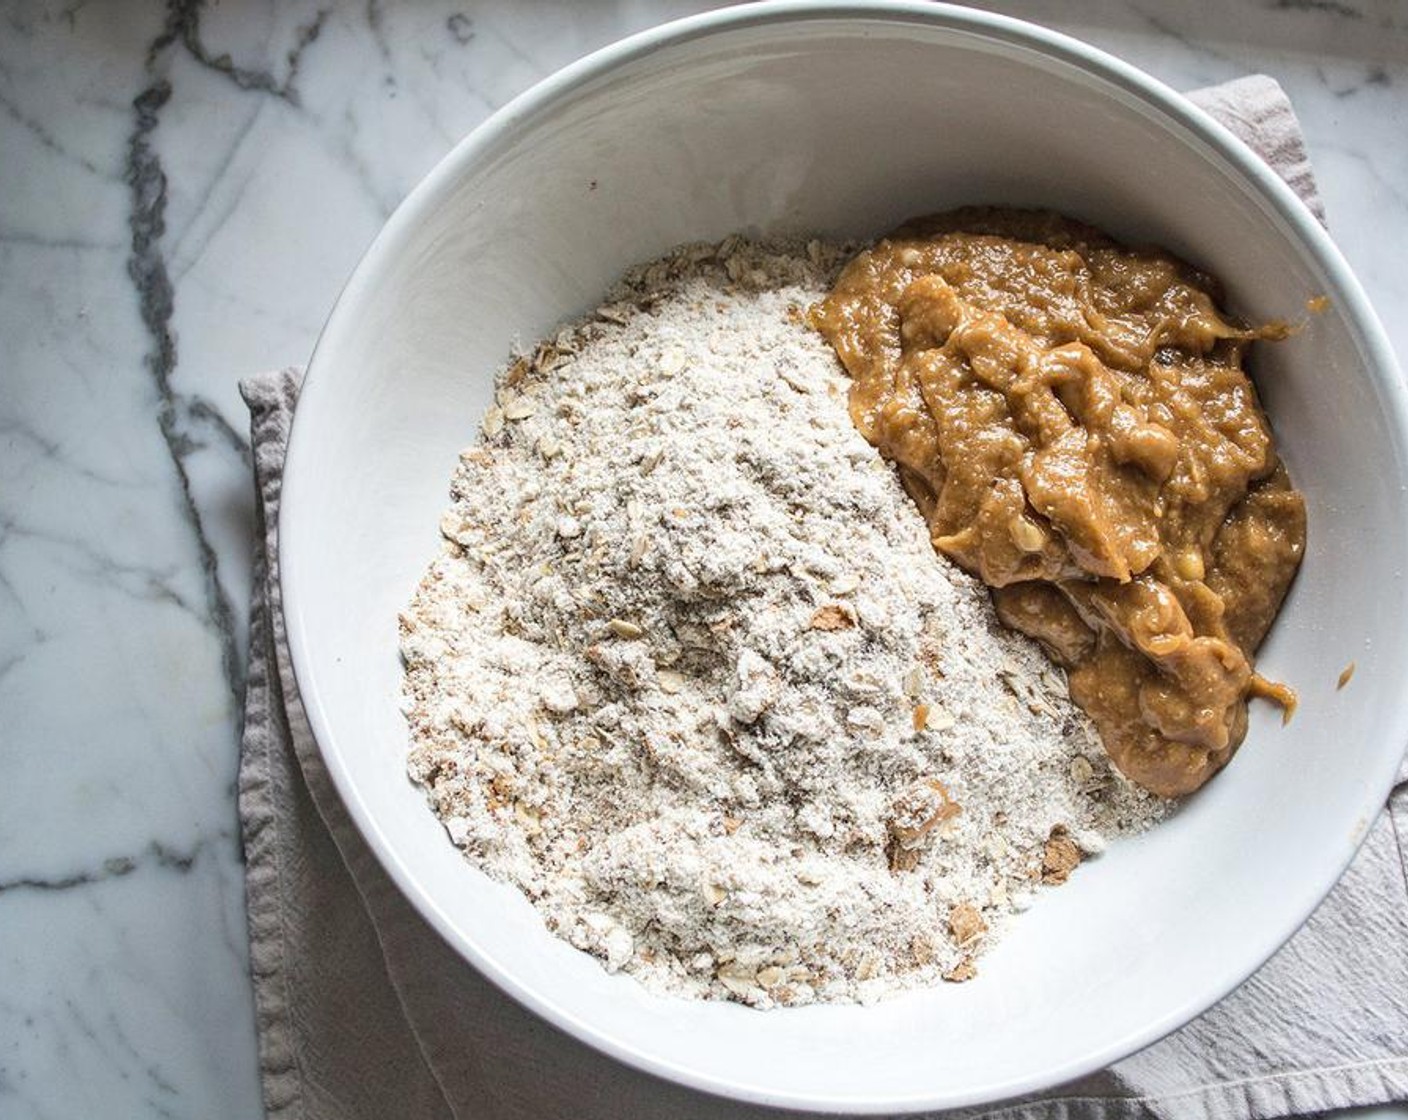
(689, 674)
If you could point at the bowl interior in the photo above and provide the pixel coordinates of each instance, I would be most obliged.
(786, 121)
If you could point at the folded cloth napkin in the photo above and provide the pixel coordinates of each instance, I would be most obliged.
(365, 1013)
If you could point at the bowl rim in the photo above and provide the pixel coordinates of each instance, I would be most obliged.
(524, 108)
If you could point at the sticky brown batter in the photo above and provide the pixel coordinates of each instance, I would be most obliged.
(1073, 419)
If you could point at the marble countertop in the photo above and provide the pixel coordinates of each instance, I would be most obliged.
(183, 190)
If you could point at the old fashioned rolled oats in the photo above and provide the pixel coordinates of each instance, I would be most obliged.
(689, 675)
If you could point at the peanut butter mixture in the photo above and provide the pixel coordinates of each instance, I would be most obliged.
(1073, 419)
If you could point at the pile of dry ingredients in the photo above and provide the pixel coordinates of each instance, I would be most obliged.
(689, 674)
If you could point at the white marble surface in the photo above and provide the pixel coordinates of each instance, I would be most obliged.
(183, 189)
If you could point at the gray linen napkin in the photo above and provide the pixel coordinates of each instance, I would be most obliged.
(365, 1013)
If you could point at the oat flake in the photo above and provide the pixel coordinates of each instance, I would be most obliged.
(689, 674)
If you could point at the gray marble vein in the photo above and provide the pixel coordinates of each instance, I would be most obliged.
(48, 140)
(113, 867)
(184, 187)
(147, 268)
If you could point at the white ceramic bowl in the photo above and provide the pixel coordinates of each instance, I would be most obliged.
(842, 120)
